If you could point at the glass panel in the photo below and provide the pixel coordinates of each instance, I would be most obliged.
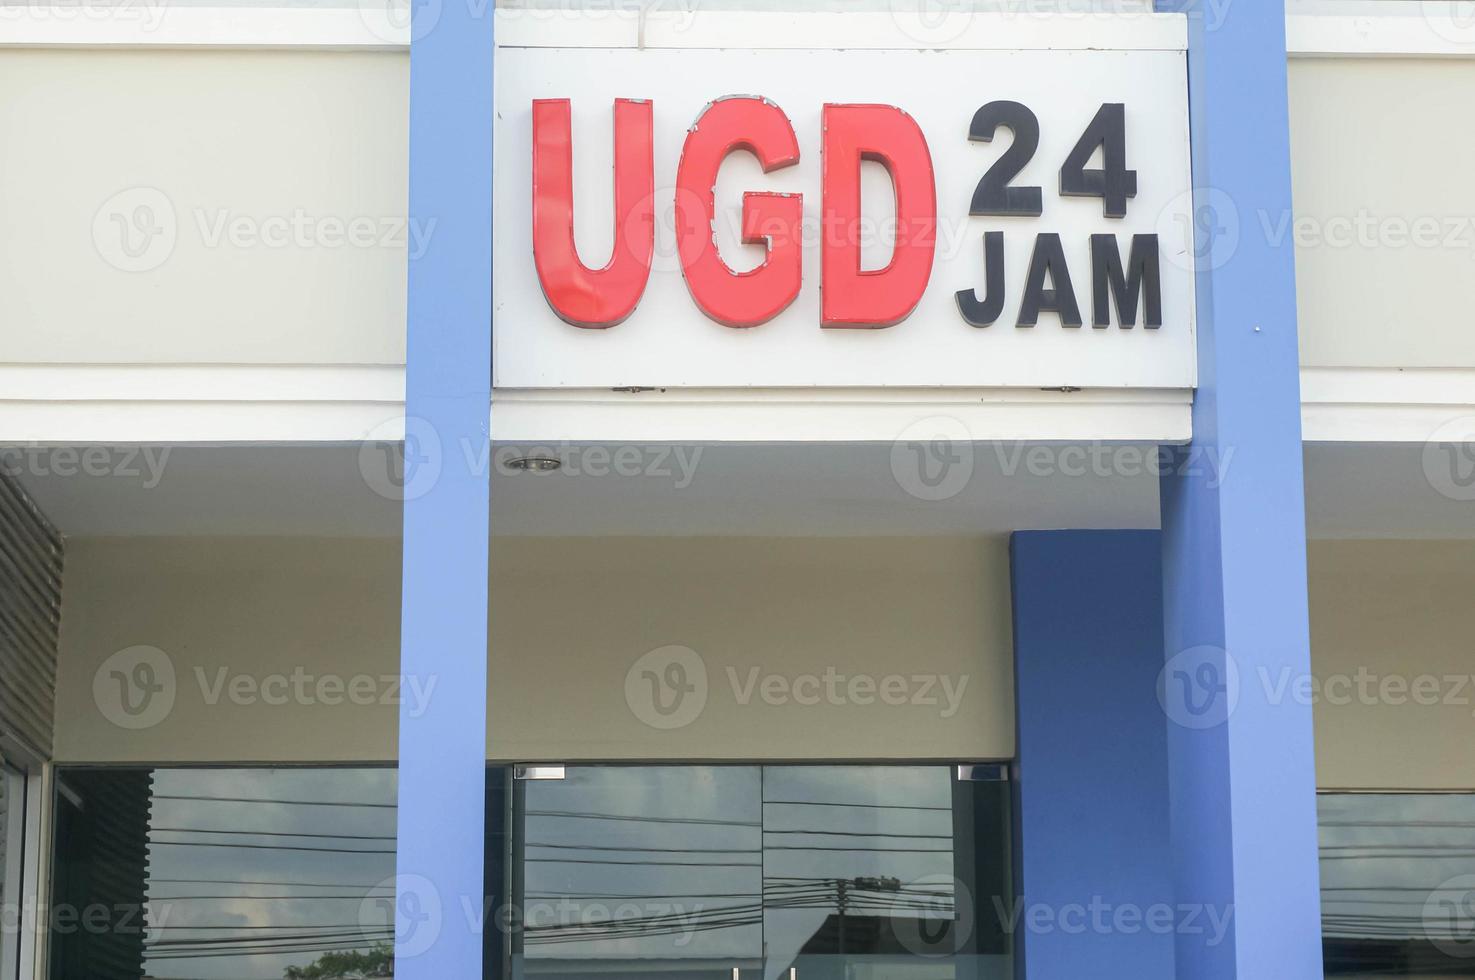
(883, 873)
(223, 874)
(623, 868)
(1398, 884)
(498, 850)
(723, 872)
(12, 855)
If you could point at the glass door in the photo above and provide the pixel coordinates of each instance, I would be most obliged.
(877, 872)
(655, 871)
(761, 873)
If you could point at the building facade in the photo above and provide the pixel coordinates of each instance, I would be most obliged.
(890, 490)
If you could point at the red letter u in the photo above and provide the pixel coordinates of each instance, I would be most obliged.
(582, 296)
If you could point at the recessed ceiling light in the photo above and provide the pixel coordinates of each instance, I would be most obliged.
(534, 464)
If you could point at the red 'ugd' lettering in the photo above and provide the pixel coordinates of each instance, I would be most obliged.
(583, 296)
(739, 299)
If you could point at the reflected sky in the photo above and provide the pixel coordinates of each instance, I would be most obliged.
(826, 827)
(1398, 882)
(725, 866)
(250, 872)
(644, 863)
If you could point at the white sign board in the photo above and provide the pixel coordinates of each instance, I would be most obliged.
(668, 341)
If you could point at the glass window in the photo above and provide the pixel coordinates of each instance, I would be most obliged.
(759, 872)
(12, 861)
(1398, 884)
(223, 874)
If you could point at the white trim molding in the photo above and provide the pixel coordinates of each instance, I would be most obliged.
(224, 404)
(192, 403)
(1388, 405)
(684, 415)
(1314, 28)
(89, 404)
(1130, 27)
(149, 24)
(382, 27)
(1379, 29)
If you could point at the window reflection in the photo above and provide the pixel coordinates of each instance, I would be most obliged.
(223, 874)
(694, 872)
(1398, 884)
(642, 864)
(862, 861)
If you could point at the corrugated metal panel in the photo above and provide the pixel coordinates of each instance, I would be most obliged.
(30, 619)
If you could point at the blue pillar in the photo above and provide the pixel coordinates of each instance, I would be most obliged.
(1091, 788)
(442, 751)
(1242, 767)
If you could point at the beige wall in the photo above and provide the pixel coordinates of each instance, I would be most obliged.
(569, 619)
(257, 134)
(222, 136)
(571, 616)
(256, 606)
(262, 134)
(1397, 611)
(1381, 139)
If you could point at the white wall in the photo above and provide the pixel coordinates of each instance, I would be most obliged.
(211, 135)
(569, 619)
(1396, 611)
(1381, 140)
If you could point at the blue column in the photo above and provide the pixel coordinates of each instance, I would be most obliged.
(1091, 788)
(442, 752)
(1242, 767)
